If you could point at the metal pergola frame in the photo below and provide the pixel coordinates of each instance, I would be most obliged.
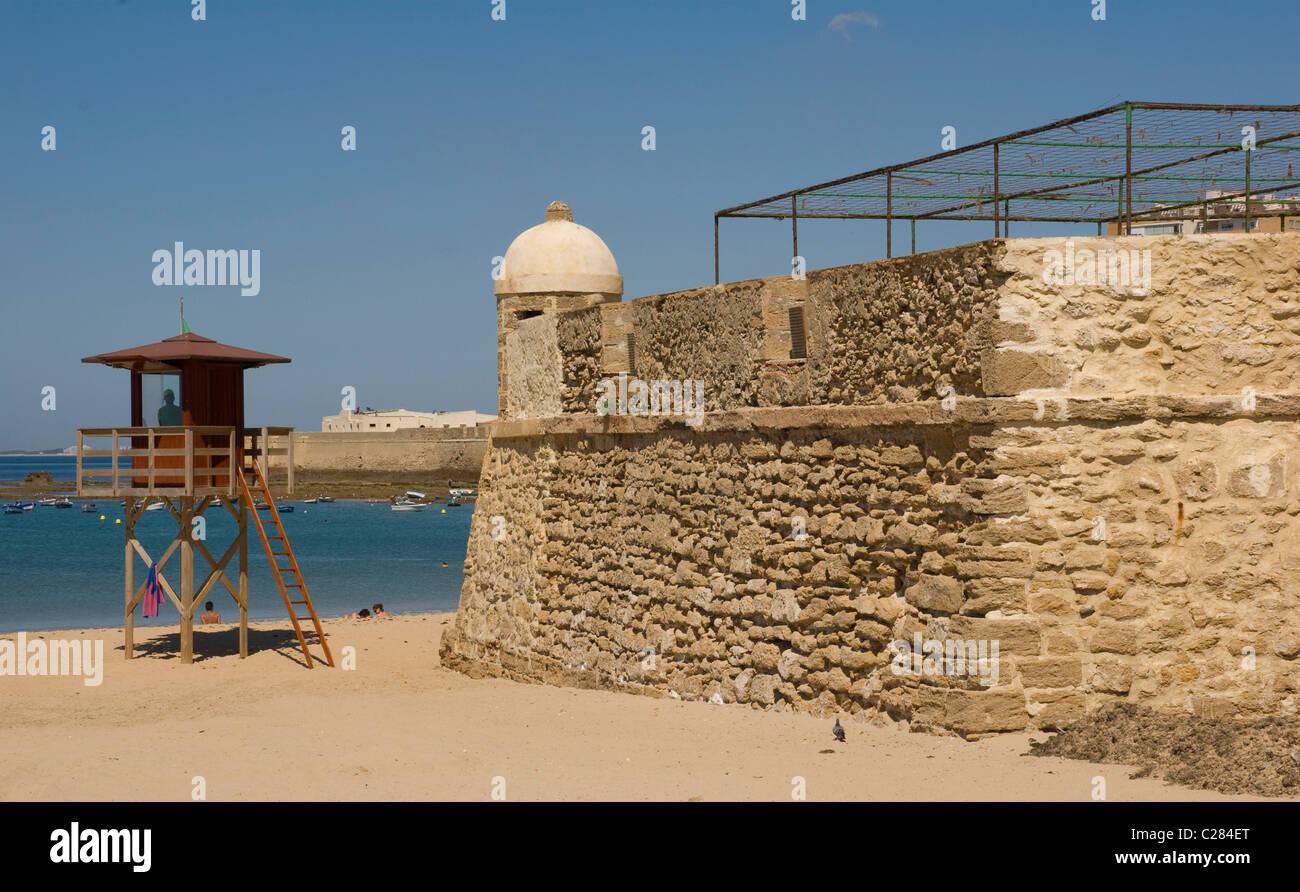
(1183, 148)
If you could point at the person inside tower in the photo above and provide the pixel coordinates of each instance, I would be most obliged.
(169, 414)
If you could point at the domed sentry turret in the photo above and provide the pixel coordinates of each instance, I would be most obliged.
(556, 265)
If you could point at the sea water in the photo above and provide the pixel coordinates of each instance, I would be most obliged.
(61, 568)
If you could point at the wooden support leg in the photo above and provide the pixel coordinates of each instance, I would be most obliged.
(129, 636)
(243, 578)
(187, 581)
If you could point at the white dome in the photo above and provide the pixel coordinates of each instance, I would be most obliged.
(559, 256)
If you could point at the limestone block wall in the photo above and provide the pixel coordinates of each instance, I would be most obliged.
(516, 309)
(713, 335)
(536, 387)
(874, 332)
(898, 331)
(1220, 313)
(1118, 529)
(578, 336)
(1163, 551)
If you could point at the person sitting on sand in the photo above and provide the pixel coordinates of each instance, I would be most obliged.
(209, 617)
(379, 610)
(363, 613)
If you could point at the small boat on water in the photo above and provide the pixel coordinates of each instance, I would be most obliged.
(63, 503)
(15, 508)
(453, 502)
(414, 494)
(457, 493)
(88, 508)
(403, 503)
(284, 509)
(28, 506)
(156, 506)
(310, 501)
(261, 506)
(47, 503)
(324, 498)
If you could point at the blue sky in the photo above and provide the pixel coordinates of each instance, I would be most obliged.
(376, 264)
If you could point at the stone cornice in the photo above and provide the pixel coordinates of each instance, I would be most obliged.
(1054, 410)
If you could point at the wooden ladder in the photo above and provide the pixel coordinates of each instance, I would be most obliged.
(300, 587)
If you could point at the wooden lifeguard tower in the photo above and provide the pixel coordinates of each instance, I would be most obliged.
(198, 454)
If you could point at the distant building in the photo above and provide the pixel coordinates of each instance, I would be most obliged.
(401, 419)
(1268, 213)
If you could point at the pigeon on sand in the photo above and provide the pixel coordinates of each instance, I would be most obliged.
(838, 731)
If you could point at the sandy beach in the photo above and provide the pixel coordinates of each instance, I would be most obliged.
(400, 727)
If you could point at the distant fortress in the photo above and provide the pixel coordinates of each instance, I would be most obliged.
(398, 440)
(380, 420)
(1093, 486)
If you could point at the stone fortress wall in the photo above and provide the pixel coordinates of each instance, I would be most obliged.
(460, 449)
(1110, 490)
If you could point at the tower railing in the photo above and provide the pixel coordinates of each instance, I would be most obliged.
(157, 461)
(194, 460)
(272, 449)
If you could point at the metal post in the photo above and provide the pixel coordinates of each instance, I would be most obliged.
(1205, 216)
(913, 235)
(1006, 218)
(1128, 168)
(716, 278)
(1247, 191)
(1098, 228)
(889, 214)
(996, 190)
(794, 223)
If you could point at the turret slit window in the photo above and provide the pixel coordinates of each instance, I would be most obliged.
(798, 342)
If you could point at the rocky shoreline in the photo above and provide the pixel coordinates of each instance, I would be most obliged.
(307, 484)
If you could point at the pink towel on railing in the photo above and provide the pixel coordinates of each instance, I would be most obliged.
(153, 592)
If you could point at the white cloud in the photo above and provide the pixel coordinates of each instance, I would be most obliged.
(842, 22)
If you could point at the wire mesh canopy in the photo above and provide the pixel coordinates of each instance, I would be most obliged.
(1130, 161)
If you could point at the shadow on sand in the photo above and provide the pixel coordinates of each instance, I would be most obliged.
(225, 643)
